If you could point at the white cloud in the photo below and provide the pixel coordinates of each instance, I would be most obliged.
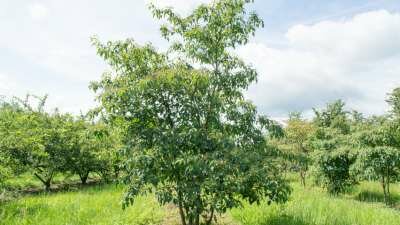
(357, 60)
(367, 36)
(37, 11)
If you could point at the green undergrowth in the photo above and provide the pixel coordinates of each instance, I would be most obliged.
(94, 205)
(313, 206)
(101, 204)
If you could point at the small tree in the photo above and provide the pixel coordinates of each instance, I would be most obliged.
(37, 140)
(298, 133)
(98, 152)
(379, 155)
(9, 111)
(190, 134)
(332, 161)
(382, 163)
(81, 159)
(333, 116)
(394, 101)
(333, 155)
(108, 140)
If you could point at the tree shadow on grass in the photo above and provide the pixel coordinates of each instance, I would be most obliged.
(285, 220)
(61, 187)
(371, 196)
(12, 194)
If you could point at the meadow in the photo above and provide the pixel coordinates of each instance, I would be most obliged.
(176, 120)
(101, 204)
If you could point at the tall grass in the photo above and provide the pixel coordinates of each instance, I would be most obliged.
(101, 205)
(95, 205)
(314, 207)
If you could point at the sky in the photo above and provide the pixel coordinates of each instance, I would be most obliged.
(310, 52)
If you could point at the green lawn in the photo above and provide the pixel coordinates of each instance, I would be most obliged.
(314, 207)
(101, 205)
(94, 205)
(27, 181)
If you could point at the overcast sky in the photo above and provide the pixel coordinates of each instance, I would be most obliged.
(310, 51)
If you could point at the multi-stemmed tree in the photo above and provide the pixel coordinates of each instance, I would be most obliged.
(298, 134)
(378, 141)
(34, 139)
(189, 132)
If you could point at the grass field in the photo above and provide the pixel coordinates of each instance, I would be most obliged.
(100, 204)
(315, 207)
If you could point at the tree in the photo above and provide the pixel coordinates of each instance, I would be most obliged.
(82, 159)
(379, 156)
(334, 116)
(15, 140)
(37, 140)
(298, 132)
(332, 160)
(104, 144)
(333, 155)
(190, 134)
(394, 102)
(108, 156)
(55, 134)
(9, 111)
(381, 163)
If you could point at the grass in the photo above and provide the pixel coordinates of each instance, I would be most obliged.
(372, 192)
(101, 205)
(313, 206)
(27, 181)
(94, 205)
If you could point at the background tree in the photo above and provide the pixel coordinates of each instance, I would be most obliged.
(189, 132)
(394, 102)
(36, 139)
(333, 155)
(82, 159)
(16, 138)
(298, 133)
(378, 140)
(10, 115)
(334, 116)
(105, 144)
(381, 163)
(110, 145)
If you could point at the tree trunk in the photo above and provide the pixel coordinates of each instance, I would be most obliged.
(388, 189)
(383, 182)
(181, 212)
(209, 220)
(303, 177)
(84, 177)
(47, 185)
(46, 182)
(190, 219)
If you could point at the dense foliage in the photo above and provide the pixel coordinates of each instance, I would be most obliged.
(342, 147)
(177, 124)
(298, 133)
(190, 133)
(46, 143)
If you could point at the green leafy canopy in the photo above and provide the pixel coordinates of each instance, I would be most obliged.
(189, 132)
